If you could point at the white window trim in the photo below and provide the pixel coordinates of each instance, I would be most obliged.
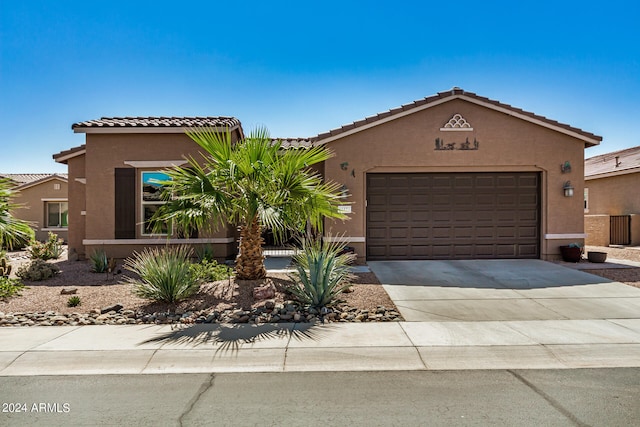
(149, 164)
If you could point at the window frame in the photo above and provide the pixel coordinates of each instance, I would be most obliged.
(61, 214)
(144, 203)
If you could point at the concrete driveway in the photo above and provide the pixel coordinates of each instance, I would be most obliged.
(503, 290)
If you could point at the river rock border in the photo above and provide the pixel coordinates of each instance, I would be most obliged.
(269, 312)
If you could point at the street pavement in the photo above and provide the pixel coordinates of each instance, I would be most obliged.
(459, 316)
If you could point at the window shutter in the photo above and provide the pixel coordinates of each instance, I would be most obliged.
(125, 203)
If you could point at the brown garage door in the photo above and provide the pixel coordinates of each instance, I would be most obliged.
(453, 215)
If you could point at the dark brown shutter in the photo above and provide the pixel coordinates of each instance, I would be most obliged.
(125, 202)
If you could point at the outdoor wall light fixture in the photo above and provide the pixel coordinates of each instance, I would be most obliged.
(568, 189)
(344, 165)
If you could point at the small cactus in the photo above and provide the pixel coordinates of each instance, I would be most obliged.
(5, 267)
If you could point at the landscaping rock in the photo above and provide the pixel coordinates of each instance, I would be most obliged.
(115, 307)
(264, 292)
(69, 291)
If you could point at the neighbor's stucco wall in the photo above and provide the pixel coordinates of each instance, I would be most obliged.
(506, 144)
(614, 195)
(33, 198)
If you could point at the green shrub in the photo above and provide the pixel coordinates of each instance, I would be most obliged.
(51, 249)
(9, 287)
(37, 270)
(321, 272)
(209, 271)
(165, 274)
(74, 301)
(99, 261)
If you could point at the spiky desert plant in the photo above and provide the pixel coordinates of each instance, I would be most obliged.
(14, 233)
(74, 301)
(322, 272)
(99, 261)
(165, 274)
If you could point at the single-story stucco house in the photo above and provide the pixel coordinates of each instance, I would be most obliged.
(450, 176)
(43, 197)
(612, 198)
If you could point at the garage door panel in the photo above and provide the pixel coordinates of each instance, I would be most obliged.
(399, 216)
(453, 215)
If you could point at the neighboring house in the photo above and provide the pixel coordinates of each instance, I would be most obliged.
(612, 198)
(451, 176)
(44, 200)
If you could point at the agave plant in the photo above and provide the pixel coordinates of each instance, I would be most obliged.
(321, 272)
(164, 274)
(99, 261)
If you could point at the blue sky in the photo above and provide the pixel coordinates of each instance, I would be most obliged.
(302, 68)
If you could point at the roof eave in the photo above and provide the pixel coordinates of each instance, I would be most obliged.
(145, 129)
(588, 140)
(612, 174)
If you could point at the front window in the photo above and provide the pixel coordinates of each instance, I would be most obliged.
(151, 200)
(57, 214)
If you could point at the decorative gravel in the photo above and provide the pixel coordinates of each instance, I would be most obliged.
(105, 300)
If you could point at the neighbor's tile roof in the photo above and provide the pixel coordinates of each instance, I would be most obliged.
(623, 161)
(155, 122)
(443, 96)
(27, 178)
(294, 142)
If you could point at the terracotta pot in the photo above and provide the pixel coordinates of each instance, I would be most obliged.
(597, 256)
(571, 253)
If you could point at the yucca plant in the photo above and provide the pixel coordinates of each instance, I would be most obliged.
(321, 272)
(165, 274)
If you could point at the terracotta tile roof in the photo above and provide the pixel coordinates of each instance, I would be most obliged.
(158, 122)
(21, 181)
(65, 155)
(294, 142)
(616, 162)
(590, 138)
(28, 178)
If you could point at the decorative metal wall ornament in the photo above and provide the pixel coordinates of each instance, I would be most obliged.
(465, 146)
(457, 123)
(565, 167)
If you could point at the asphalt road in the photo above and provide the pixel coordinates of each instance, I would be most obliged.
(594, 397)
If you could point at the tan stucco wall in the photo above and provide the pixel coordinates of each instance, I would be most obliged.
(614, 195)
(105, 153)
(77, 206)
(505, 144)
(597, 229)
(33, 198)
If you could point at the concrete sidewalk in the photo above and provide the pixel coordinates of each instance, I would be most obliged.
(522, 314)
(145, 349)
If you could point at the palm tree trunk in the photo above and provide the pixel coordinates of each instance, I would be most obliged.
(250, 261)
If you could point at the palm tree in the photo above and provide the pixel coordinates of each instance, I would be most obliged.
(14, 232)
(253, 184)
